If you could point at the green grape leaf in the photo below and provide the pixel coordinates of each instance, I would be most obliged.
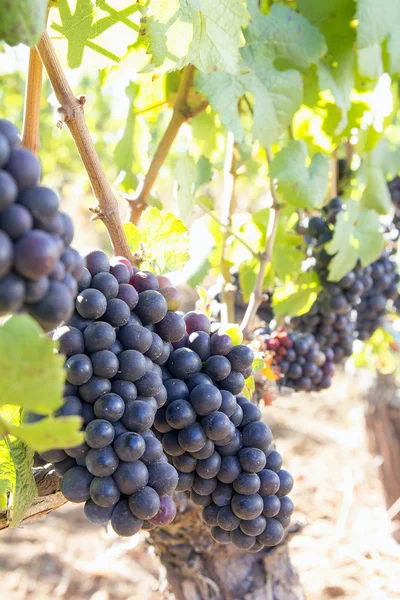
(49, 433)
(31, 374)
(376, 195)
(162, 240)
(356, 237)
(283, 35)
(97, 30)
(185, 177)
(204, 172)
(22, 21)
(295, 297)
(247, 277)
(17, 484)
(128, 154)
(249, 388)
(296, 184)
(378, 23)
(200, 274)
(204, 33)
(336, 73)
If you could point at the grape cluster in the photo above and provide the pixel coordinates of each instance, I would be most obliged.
(115, 345)
(303, 365)
(218, 443)
(373, 305)
(38, 267)
(331, 319)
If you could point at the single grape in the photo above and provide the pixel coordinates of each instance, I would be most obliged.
(271, 506)
(144, 280)
(123, 522)
(172, 297)
(183, 363)
(145, 503)
(24, 167)
(70, 340)
(205, 399)
(131, 476)
(210, 514)
(101, 461)
(15, 220)
(273, 533)
(110, 407)
(247, 483)
(78, 369)
(229, 469)
(166, 514)
(149, 384)
(138, 416)
(257, 435)
(96, 262)
(241, 357)
(241, 540)
(75, 485)
(105, 364)
(204, 487)
(171, 328)
(94, 388)
(226, 519)
(217, 367)
(221, 344)
(286, 483)
(104, 491)
(91, 304)
(252, 460)
(197, 321)
(185, 463)
(99, 433)
(192, 438)
(269, 482)
(217, 426)
(247, 507)
(222, 494)
(154, 449)
(97, 514)
(163, 478)
(135, 337)
(117, 312)
(35, 254)
(209, 467)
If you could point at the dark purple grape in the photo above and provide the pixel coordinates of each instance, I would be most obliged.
(272, 534)
(226, 519)
(24, 167)
(163, 478)
(35, 254)
(99, 433)
(166, 514)
(104, 491)
(91, 304)
(221, 344)
(75, 485)
(247, 507)
(105, 364)
(171, 328)
(205, 399)
(241, 540)
(129, 446)
(110, 407)
(97, 514)
(123, 522)
(229, 469)
(217, 367)
(15, 220)
(183, 363)
(96, 262)
(94, 388)
(145, 503)
(144, 280)
(138, 416)
(197, 321)
(78, 369)
(135, 337)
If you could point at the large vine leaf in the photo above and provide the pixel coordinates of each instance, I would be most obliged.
(162, 240)
(357, 236)
(297, 184)
(336, 72)
(296, 296)
(105, 28)
(204, 33)
(22, 21)
(17, 485)
(378, 23)
(285, 36)
(31, 374)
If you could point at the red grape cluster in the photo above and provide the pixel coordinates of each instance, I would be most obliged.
(38, 267)
(302, 364)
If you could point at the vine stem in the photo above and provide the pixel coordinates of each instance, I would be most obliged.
(72, 114)
(265, 259)
(182, 112)
(228, 203)
(30, 127)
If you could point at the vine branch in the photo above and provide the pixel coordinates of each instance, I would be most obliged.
(265, 259)
(72, 114)
(33, 93)
(182, 112)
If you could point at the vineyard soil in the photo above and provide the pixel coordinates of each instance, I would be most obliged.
(345, 550)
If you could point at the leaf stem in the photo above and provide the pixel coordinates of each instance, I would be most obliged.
(228, 229)
(256, 296)
(72, 114)
(182, 112)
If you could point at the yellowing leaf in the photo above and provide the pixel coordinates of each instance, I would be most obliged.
(162, 240)
(17, 485)
(49, 433)
(31, 374)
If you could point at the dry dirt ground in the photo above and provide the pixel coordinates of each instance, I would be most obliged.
(344, 551)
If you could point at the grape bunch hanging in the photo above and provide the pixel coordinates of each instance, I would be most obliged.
(38, 267)
(156, 392)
